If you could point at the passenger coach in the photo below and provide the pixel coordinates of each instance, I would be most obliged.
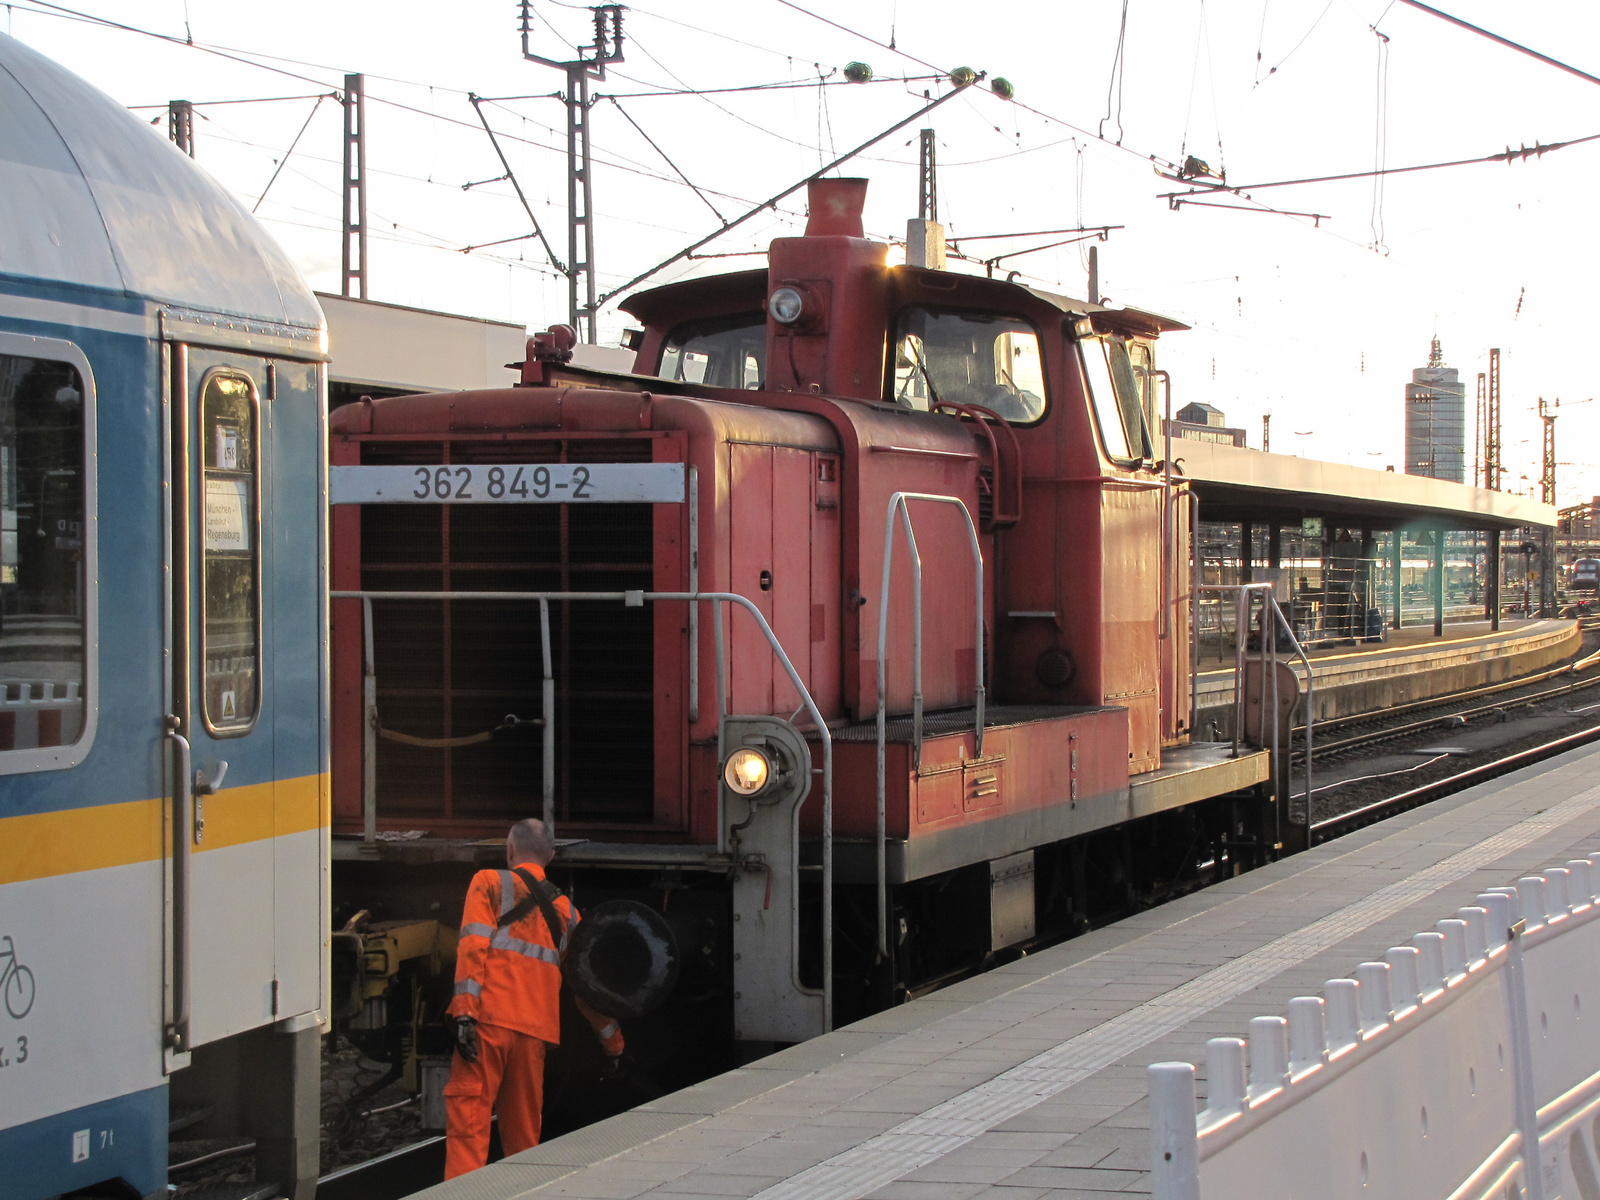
(163, 855)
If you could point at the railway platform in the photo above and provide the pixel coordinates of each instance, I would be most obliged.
(1411, 665)
(1030, 1081)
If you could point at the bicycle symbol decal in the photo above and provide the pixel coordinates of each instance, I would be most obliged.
(16, 981)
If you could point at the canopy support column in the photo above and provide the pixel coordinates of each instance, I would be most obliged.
(1493, 590)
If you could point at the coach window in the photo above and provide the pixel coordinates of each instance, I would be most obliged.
(984, 359)
(231, 640)
(43, 604)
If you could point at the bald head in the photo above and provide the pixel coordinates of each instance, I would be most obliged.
(530, 841)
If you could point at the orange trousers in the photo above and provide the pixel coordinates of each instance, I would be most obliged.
(508, 1078)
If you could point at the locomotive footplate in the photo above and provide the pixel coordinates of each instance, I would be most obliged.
(1043, 774)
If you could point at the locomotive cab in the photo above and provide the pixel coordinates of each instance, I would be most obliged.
(1063, 395)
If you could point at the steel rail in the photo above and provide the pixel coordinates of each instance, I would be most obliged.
(1382, 735)
(1368, 814)
(1582, 664)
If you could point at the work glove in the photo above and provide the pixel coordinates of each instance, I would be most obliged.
(467, 1038)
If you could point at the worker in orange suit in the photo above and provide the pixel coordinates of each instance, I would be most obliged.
(514, 934)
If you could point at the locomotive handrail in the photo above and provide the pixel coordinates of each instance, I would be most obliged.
(1011, 466)
(900, 502)
(1269, 661)
(635, 599)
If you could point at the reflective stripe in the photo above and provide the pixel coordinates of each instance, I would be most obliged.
(476, 929)
(566, 935)
(468, 987)
(508, 892)
(610, 1031)
(504, 941)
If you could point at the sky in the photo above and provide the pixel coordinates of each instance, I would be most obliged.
(1318, 322)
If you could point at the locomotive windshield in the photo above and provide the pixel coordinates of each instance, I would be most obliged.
(969, 358)
(727, 352)
(1115, 393)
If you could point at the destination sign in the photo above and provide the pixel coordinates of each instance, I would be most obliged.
(510, 483)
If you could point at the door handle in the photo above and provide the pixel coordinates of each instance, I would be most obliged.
(206, 786)
(183, 838)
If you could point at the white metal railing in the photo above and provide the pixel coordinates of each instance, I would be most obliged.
(632, 599)
(24, 701)
(1461, 1065)
(1258, 599)
(899, 504)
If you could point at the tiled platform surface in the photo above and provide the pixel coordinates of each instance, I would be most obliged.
(1029, 1082)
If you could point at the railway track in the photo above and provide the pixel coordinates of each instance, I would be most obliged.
(1452, 718)
(1378, 810)
(1513, 691)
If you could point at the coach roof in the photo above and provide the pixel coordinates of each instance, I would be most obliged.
(93, 196)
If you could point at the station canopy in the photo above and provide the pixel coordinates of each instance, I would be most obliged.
(1238, 484)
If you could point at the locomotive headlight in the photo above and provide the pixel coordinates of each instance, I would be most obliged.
(786, 305)
(747, 770)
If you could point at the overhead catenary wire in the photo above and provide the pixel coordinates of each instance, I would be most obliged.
(241, 100)
(706, 200)
(538, 230)
(1304, 38)
(1025, 107)
(1507, 42)
(1508, 155)
(726, 111)
(609, 160)
(250, 58)
(1114, 82)
(1380, 140)
(167, 37)
(284, 161)
(845, 157)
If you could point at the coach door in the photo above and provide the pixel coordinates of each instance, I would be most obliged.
(246, 688)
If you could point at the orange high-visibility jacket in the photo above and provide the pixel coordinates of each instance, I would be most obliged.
(511, 977)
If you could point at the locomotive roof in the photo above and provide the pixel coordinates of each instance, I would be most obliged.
(747, 290)
(94, 197)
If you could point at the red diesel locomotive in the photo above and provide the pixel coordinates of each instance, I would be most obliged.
(787, 433)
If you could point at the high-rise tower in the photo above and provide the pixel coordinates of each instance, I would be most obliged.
(1436, 420)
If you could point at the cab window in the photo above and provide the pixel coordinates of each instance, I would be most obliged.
(727, 352)
(43, 584)
(1115, 395)
(1142, 363)
(231, 555)
(968, 358)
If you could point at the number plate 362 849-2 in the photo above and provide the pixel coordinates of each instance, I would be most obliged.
(510, 483)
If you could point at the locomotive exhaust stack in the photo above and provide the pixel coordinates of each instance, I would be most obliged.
(827, 293)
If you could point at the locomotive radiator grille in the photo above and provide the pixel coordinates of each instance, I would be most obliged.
(454, 669)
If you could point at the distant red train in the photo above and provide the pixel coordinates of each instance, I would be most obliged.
(781, 425)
